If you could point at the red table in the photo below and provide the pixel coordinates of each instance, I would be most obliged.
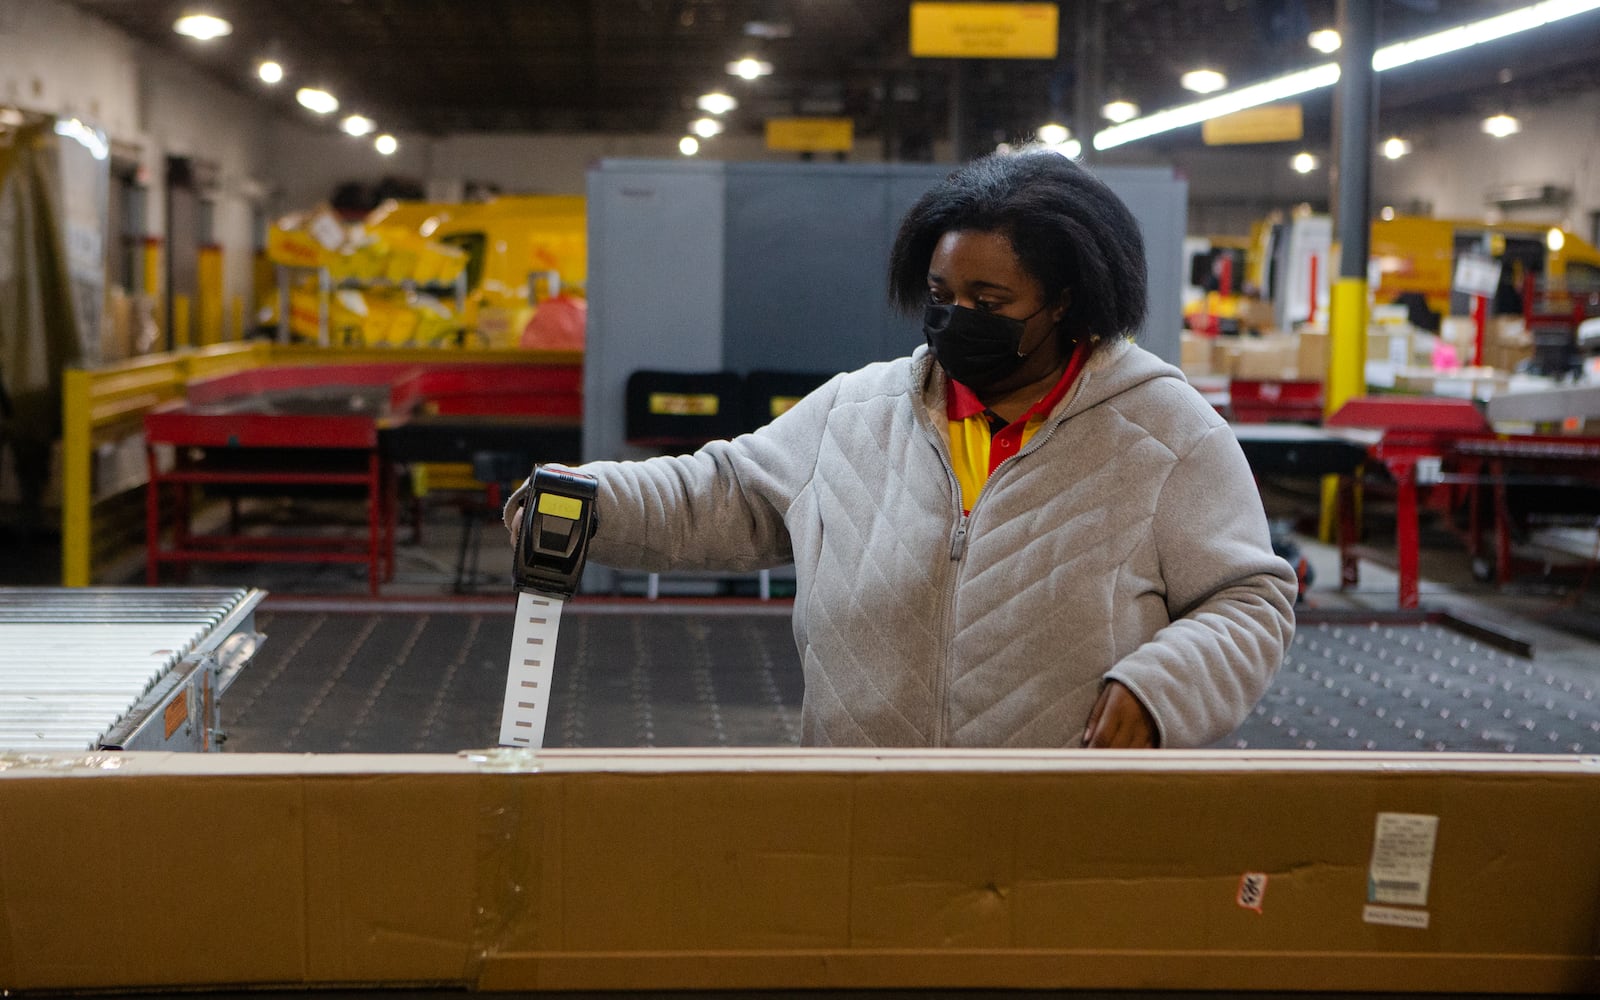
(1411, 431)
(321, 427)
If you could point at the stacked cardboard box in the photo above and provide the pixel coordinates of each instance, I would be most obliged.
(1264, 358)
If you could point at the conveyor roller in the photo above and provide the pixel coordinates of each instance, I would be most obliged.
(119, 668)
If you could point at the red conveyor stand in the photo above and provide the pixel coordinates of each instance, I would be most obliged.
(1412, 430)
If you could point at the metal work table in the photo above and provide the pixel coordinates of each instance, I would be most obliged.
(331, 428)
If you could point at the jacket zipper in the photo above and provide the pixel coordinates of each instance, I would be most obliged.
(941, 674)
(958, 550)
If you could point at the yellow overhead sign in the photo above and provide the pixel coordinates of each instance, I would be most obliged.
(1269, 123)
(984, 30)
(811, 135)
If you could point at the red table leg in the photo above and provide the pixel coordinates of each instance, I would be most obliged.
(152, 519)
(1349, 561)
(1406, 535)
(1502, 524)
(374, 521)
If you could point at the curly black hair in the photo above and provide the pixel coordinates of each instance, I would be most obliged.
(1067, 228)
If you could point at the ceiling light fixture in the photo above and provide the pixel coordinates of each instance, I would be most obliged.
(386, 144)
(320, 101)
(1252, 96)
(1326, 75)
(1500, 126)
(358, 125)
(749, 68)
(1120, 111)
(768, 29)
(1326, 40)
(1395, 147)
(1053, 134)
(1203, 81)
(1303, 163)
(270, 72)
(1476, 33)
(705, 128)
(688, 145)
(716, 103)
(204, 27)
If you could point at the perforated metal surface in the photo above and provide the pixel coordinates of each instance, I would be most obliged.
(433, 682)
(1421, 687)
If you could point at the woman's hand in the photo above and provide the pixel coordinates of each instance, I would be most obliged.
(1119, 721)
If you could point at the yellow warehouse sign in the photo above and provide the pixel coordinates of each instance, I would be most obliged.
(811, 135)
(984, 30)
(1270, 123)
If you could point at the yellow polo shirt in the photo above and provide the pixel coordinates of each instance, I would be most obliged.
(980, 440)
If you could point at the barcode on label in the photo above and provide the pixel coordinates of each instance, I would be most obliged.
(533, 646)
(1398, 886)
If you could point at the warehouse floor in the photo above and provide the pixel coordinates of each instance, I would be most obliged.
(423, 669)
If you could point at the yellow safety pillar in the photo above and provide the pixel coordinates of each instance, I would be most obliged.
(208, 294)
(1352, 186)
(152, 285)
(77, 488)
(182, 335)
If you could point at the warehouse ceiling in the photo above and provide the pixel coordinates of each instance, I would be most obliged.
(446, 66)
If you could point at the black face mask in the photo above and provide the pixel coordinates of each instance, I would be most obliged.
(978, 349)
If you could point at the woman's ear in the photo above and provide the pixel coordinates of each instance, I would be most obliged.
(1060, 311)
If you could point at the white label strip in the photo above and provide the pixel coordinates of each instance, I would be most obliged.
(528, 676)
(1395, 917)
(1402, 859)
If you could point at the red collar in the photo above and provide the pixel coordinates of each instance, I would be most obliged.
(961, 402)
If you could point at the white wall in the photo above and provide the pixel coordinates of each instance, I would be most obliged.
(1453, 164)
(56, 60)
(186, 114)
(311, 163)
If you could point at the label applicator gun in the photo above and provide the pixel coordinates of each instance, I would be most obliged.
(556, 521)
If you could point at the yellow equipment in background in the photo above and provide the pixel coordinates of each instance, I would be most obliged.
(1416, 257)
(521, 251)
(433, 274)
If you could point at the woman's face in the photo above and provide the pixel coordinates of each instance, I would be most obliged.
(979, 270)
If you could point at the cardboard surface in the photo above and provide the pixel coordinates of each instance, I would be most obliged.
(769, 869)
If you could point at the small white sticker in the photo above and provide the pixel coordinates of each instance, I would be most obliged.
(1395, 917)
(1402, 859)
(1252, 890)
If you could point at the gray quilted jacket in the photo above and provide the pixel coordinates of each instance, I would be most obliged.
(1125, 541)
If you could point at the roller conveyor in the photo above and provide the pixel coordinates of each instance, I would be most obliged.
(119, 668)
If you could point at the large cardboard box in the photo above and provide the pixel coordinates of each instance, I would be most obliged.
(1388, 344)
(1270, 358)
(740, 870)
(1195, 354)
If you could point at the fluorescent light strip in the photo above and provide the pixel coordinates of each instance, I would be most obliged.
(1390, 56)
(1487, 30)
(1223, 104)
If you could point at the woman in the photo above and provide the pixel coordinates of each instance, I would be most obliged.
(1029, 533)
